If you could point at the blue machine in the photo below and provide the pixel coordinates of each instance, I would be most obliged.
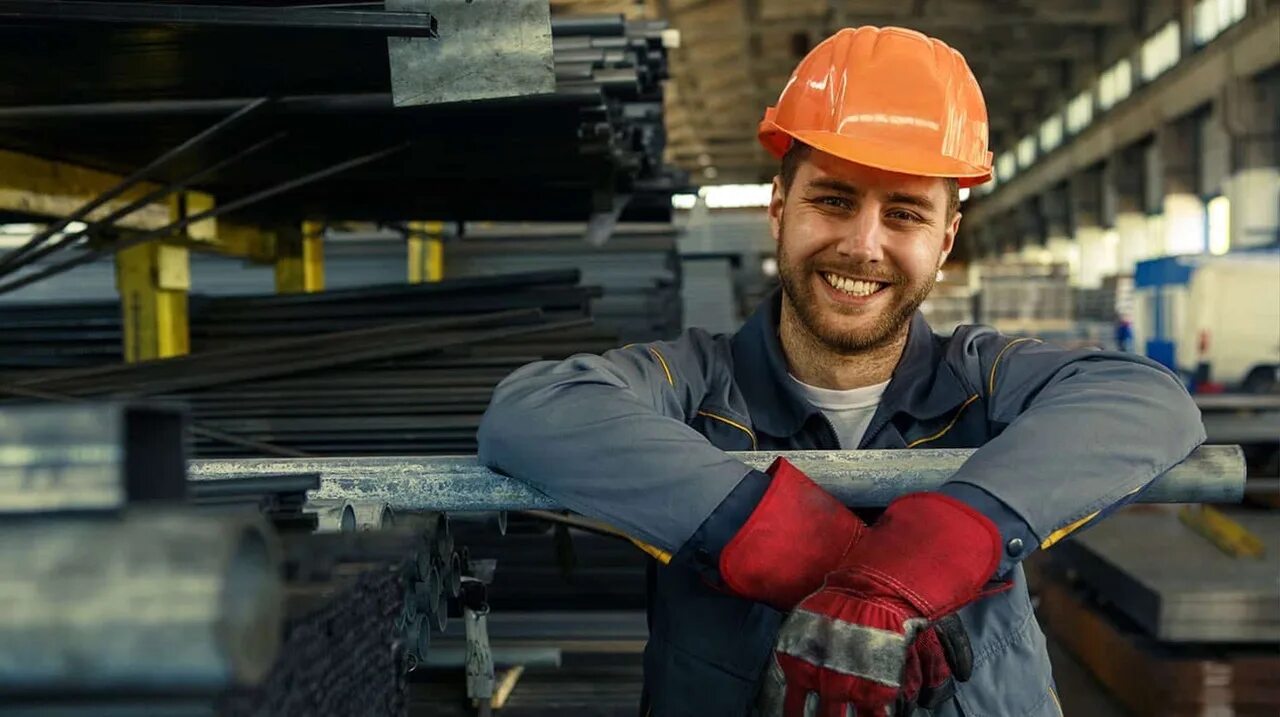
(1155, 282)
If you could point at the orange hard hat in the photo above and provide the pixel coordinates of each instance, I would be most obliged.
(890, 98)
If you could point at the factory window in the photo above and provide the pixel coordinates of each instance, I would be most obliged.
(1080, 112)
(1027, 151)
(1211, 17)
(1218, 224)
(736, 196)
(1051, 133)
(1115, 84)
(1006, 166)
(684, 201)
(1161, 51)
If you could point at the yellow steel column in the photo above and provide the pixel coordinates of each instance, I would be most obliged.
(153, 279)
(426, 252)
(300, 259)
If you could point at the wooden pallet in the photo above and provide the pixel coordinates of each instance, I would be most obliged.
(1155, 679)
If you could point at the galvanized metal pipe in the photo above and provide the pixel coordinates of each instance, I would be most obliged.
(157, 599)
(1212, 474)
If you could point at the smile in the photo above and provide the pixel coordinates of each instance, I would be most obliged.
(852, 287)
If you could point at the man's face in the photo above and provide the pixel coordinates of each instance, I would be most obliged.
(859, 248)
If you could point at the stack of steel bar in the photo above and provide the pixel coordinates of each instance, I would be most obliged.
(593, 146)
(408, 370)
(59, 335)
(639, 272)
(49, 335)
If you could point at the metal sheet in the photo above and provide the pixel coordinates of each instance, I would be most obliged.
(1213, 474)
(485, 50)
(1176, 584)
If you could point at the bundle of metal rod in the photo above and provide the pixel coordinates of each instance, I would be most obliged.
(639, 273)
(380, 386)
(39, 336)
(61, 335)
(592, 146)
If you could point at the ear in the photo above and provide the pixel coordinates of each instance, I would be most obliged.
(776, 203)
(949, 239)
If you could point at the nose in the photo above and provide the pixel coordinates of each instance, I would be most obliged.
(863, 237)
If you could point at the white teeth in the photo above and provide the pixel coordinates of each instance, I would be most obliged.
(854, 287)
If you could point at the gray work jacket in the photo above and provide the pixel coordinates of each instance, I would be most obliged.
(637, 437)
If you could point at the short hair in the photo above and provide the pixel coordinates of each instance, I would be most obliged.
(799, 151)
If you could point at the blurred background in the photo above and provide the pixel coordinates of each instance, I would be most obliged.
(264, 234)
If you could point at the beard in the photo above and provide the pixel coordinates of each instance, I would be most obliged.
(849, 333)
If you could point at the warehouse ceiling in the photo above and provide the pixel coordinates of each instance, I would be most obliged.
(735, 56)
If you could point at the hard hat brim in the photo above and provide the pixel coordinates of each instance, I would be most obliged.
(891, 158)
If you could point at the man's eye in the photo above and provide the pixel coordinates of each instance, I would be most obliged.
(903, 216)
(836, 202)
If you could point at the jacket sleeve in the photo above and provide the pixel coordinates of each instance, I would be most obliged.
(609, 436)
(1083, 432)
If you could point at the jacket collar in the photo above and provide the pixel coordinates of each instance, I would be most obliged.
(923, 384)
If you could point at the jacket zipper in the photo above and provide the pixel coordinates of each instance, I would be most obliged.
(831, 428)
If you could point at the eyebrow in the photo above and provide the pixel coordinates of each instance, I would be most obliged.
(918, 201)
(835, 185)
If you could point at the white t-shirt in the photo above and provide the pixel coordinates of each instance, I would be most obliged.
(850, 411)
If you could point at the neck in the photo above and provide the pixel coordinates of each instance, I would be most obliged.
(816, 364)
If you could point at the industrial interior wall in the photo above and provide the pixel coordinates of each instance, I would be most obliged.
(1131, 228)
(1255, 207)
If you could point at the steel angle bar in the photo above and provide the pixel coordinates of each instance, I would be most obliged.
(409, 24)
(496, 48)
(1212, 474)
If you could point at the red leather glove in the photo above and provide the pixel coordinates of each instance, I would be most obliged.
(795, 536)
(852, 641)
(940, 657)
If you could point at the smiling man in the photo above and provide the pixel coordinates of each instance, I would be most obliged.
(766, 595)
